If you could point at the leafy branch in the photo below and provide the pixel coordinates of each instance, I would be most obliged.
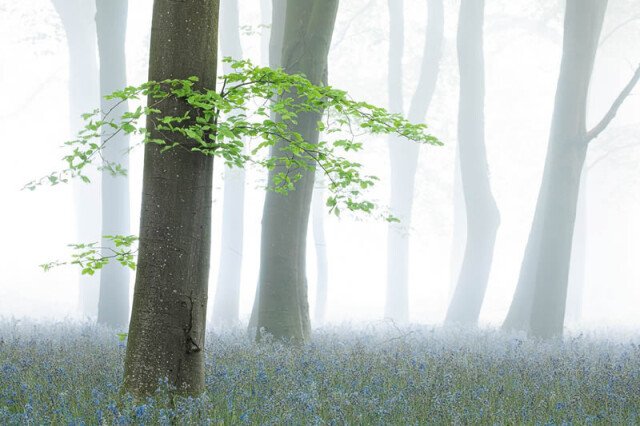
(90, 257)
(255, 105)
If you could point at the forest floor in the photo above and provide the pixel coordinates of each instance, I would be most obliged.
(68, 373)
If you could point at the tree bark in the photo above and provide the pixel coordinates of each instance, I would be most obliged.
(276, 40)
(283, 308)
(404, 154)
(578, 265)
(227, 297)
(482, 216)
(111, 25)
(538, 306)
(79, 26)
(167, 329)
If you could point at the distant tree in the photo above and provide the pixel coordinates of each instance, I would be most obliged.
(318, 211)
(77, 17)
(111, 25)
(403, 154)
(226, 303)
(276, 38)
(482, 216)
(283, 308)
(538, 305)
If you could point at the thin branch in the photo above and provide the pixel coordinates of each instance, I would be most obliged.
(610, 152)
(599, 128)
(617, 28)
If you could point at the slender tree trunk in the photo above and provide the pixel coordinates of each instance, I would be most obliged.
(578, 266)
(403, 153)
(283, 309)
(227, 298)
(459, 237)
(276, 40)
(167, 329)
(265, 31)
(79, 25)
(482, 215)
(111, 24)
(539, 301)
(321, 253)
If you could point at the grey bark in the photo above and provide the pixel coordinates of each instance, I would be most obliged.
(265, 31)
(79, 26)
(482, 216)
(578, 265)
(403, 153)
(111, 25)
(320, 242)
(283, 309)
(167, 329)
(539, 301)
(227, 297)
(276, 40)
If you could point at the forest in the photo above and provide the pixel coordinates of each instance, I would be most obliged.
(320, 212)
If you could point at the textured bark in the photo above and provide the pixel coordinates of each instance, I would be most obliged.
(320, 242)
(482, 216)
(538, 306)
(283, 308)
(111, 25)
(79, 26)
(167, 329)
(404, 154)
(227, 297)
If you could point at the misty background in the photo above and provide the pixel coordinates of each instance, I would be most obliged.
(523, 41)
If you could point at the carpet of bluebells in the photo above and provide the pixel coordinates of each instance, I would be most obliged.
(71, 374)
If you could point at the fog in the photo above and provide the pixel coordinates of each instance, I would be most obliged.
(522, 48)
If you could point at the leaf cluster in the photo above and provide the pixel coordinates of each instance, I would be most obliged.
(257, 108)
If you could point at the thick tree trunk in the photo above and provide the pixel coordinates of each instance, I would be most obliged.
(404, 154)
(227, 298)
(482, 215)
(538, 306)
(77, 17)
(283, 309)
(167, 329)
(322, 282)
(111, 24)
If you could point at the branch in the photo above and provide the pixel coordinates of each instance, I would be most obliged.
(593, 133)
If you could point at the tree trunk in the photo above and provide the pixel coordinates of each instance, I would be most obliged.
(403, 153)
(482, 214)
(578, 266)
(283, 309)
(538, 306)
(77, 17)
(167, 329)
(266, 11)
(321, 253)
(276, 40)
(111, 25)
(227, 298)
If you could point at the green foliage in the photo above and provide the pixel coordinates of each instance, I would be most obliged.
(257, 106)
(90, 257)
(219, 122)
